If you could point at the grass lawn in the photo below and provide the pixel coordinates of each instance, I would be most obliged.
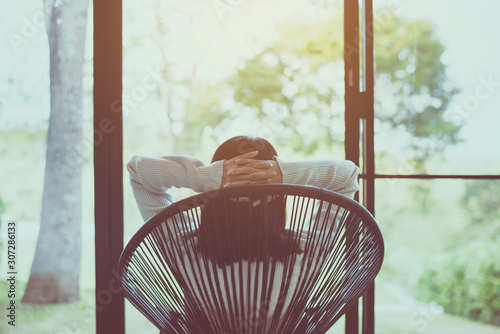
(70, 318)
(398, 313)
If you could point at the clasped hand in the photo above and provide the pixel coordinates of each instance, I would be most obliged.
(244, 170)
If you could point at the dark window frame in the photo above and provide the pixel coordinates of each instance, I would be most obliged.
(108, 164)
(359, 126)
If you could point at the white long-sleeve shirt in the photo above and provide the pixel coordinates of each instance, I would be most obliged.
(151, 179)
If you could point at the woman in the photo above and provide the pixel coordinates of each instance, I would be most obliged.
(239, 161)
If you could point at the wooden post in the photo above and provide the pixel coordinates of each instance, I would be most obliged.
(359, 123)
(108, 164)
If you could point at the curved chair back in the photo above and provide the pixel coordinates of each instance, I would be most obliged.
(182, 288)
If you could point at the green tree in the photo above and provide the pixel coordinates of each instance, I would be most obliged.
(189, 105)
(55, 272)
(290, 84)
(480, 199)
(295, 85)
(466, 281)
(301, 74)
(409, 57)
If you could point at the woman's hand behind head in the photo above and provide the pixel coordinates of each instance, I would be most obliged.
(244, 170)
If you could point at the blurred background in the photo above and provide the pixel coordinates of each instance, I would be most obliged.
(198, 72)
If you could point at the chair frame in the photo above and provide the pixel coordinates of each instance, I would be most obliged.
(362, 216)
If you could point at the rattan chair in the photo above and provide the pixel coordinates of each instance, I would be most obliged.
(183, 290)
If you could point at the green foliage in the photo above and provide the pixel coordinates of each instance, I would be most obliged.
(467, 282)
(408, 56)
(288, 84)
(321, 42)
(262, 82)
(302, 74)
(202, 110)
(294, 87)
(481, 201)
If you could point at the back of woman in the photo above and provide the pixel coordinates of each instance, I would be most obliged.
(244, 267)
(256, 263)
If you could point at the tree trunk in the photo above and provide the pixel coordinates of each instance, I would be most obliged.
(55, 271)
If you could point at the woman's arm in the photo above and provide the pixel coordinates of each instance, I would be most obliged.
(152, 177)
(337, 175)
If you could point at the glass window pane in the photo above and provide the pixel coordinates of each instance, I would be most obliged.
(440, 272)
(437, 87)
(25, 111)
(199, 72)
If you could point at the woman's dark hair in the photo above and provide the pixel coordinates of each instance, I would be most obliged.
(239, 145)
(231, 230)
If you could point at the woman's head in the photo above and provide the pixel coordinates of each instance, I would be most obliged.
(231, 230)
(243, 144)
